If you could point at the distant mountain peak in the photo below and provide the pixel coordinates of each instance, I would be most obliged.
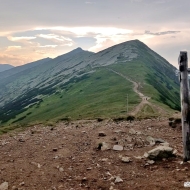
(4, 67)
(77, 50)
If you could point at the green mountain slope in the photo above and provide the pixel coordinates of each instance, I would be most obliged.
(82, 84)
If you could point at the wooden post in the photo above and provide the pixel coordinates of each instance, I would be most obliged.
(185, 107)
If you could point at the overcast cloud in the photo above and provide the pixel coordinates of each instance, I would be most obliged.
(34, 29)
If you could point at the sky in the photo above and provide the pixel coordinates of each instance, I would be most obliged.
(34, 29)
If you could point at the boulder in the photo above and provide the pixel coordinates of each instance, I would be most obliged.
(160, 152)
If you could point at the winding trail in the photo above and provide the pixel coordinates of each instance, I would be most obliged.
(144, 99)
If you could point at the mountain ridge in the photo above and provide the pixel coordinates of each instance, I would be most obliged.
(66, 83)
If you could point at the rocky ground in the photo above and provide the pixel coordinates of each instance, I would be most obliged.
(104, 155)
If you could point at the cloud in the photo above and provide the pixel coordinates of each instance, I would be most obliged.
(14, 59)
(48, 46)
(161, 33)
(21, 38)
(83, 31)
(136, 1)
(13, 48)
(64, 41)
(89, 2)
(101, 34)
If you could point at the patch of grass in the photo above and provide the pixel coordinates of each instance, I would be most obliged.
(146, 112)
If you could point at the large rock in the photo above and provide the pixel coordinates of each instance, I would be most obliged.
(160, 152)
(4, 186)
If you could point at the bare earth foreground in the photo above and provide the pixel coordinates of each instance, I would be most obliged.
(66, 156)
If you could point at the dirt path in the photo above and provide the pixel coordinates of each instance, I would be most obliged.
(144, 99)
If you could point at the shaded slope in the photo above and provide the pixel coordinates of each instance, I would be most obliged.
(97, 94)
(18, 69)
(42, 76)
(4, 67)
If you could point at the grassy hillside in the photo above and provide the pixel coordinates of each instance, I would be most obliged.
(100, 94)
(79, 85)
(156, 85)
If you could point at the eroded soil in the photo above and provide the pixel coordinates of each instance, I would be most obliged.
(66, 156)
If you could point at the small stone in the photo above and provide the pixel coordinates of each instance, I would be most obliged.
(61, 169)
(36, 164)
(138, 157)
(138, 132)
(104, 146)
(104, 160)
(84, 179)
(39, 166)
(118, 180)
(98, 165)
(150, 140)
(101, 134)
(185, 169)
(118, 131)
(138, 142)
(61, 187)
(108, 173)
(132, 131)
(150, 161)
(14, 188)
(126, 159)
(118, 147)
(145, 155)
(4, 186)
(175, 151)
(55, 149)
(22, 184)
(21, 140)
